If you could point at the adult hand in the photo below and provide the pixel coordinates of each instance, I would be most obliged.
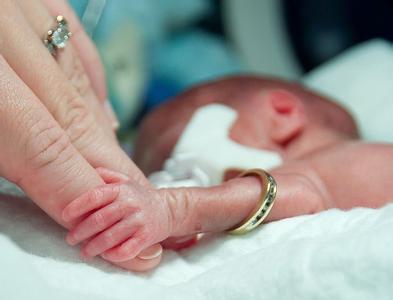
(54, 129)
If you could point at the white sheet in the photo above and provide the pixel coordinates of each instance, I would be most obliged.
(361, 79)
(331, 255)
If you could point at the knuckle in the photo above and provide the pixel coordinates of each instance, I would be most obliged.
(127, 197)
(107, 238)
(94, 195)
(79, 123)
(119, 209)
(98, 219)
(78, 77)
(47, 145)
(125, 190)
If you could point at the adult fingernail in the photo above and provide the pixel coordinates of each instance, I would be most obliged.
(185, 239)
(151, 252)
(111, 113)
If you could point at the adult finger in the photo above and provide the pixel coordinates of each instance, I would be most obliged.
(24, 51)
(40, 21)
(83, 45)
(146, 260)
(37, 154)
(87, 53)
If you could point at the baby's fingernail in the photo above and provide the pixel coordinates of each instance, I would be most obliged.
(65, 217)
(70, 240)
(112, 115)
(151, 252)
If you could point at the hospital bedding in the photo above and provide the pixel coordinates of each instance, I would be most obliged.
(331, 255)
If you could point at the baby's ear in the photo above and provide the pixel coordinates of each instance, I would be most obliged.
(288, 117)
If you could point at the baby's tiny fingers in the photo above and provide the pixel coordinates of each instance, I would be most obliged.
(110, 238)
(95, 223)
(110, 176)
(89, 201)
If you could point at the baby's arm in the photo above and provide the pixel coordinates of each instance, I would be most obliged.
(122, 220)
(218, 208)
(357, 174)
(349, 175)
(128, 220)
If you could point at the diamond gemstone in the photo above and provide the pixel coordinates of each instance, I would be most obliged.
(60, 36)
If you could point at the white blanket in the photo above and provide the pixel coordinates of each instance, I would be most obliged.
(361, 79)
(331, 255)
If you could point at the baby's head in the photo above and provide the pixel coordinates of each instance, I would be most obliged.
(272, 114)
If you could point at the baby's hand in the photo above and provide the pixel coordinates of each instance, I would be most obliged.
(120, 219)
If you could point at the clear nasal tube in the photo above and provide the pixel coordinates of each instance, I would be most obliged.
(204, 151)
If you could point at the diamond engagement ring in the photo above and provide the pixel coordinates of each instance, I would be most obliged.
(57, 38)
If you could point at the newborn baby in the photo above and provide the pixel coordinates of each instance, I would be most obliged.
(324, 166)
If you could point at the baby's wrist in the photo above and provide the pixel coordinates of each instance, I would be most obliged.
(176, 210)
(243, 197)
(214, 209)
(232, 203)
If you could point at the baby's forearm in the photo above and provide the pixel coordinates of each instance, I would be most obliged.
(212, 209)
(223, 207)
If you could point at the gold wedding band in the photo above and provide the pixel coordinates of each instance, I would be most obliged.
(58, 37)
(269, 191)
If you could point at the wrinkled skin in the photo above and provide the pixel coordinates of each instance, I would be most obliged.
(324, 165)
(119, 212)
(55, 122)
